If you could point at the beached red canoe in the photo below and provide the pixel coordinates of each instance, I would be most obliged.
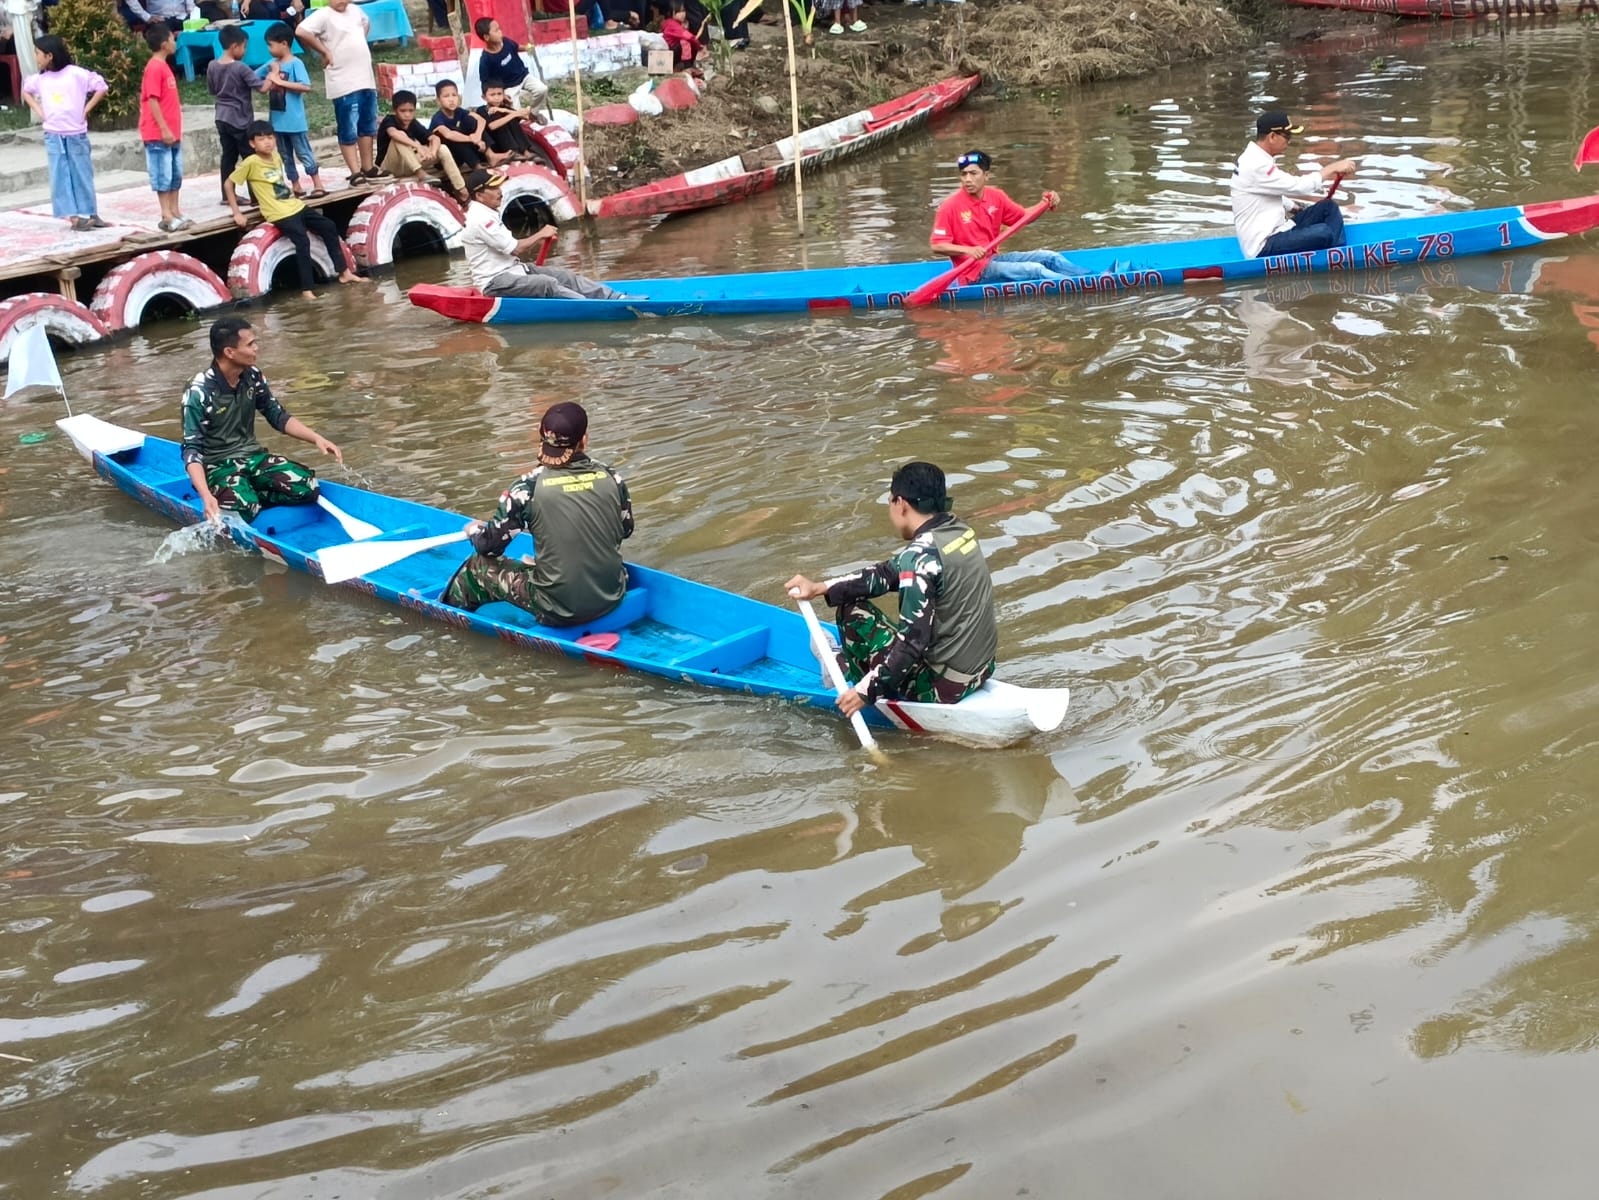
(1467, 9)
(754, 171)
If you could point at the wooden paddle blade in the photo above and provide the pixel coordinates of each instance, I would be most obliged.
(354, 527)
(1588, 152)
(340, 563)
(937, 286)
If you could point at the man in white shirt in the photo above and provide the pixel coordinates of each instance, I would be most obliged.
(494, 253)
(1262, 191)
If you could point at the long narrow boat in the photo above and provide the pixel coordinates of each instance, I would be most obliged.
(1373, 245)
(667, 626)
(743, 175)
(1463, 9)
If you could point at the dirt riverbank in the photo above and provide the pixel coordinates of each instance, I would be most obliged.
(1014, 45)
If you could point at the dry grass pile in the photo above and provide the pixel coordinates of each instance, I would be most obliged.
(1043, 43)
(1020, 43)
(745, 112)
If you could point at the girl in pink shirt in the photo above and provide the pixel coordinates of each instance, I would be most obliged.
(64, 94)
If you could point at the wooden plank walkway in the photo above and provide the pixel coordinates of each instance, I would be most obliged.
(34, 243)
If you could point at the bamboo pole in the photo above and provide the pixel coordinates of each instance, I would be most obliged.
(793, 108)
(577, 89)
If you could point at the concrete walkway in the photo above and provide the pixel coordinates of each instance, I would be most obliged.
(118, 158)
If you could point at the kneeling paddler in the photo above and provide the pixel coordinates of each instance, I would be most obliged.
(941, 649)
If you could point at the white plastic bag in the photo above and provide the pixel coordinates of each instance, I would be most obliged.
(644, 102)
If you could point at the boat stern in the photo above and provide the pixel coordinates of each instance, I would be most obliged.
(457, 303)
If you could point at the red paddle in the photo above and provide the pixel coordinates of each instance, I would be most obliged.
(969, 269)
(1588, 152)
(544, 252)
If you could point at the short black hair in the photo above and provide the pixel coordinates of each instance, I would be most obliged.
(49, 44)
(232, 35)
(257, 129)
(482, 25)
(921, 485)
(225, 333)
(156, 34)
(402, 97)
(438, 88)
(280, 33)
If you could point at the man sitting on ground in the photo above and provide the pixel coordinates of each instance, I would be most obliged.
(494, 254)
(974, 216)
(1262, 192)
(224, 462)
(578, 512)
(943, 645)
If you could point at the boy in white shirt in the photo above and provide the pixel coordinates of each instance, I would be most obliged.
(338, 34)
(1261, 192)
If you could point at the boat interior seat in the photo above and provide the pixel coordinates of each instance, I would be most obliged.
(728, 653)
(635, 606)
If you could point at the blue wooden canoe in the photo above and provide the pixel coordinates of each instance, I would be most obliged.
(667, 626)
(1373, 245)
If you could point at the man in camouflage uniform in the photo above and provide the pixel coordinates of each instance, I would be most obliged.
(578, 512)
(226, 465)
(942, 647)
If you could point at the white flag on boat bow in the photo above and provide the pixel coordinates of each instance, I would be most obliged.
(32, 362)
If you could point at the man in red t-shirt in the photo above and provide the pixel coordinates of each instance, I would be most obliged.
(161, 126)
(977, 214)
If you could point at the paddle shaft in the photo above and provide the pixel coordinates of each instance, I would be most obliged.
(840, 684)
(964, 272)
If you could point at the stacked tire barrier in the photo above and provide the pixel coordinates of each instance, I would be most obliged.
(158, 283)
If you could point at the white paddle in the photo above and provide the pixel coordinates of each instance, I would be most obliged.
(339, 563)
(353, 526)
(840, 684)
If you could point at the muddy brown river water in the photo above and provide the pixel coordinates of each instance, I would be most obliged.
(303, 898)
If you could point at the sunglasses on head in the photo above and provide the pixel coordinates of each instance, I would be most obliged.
(972, 160)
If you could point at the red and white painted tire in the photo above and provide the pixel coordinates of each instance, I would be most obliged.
(264, 249)
(124, 294)
(557, 145)
(377, 221)
(529, 179)
(65, 320)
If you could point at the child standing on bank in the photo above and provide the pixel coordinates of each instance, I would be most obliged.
(233, 84)
(262, 172)
(161, 125)
(64, 95)
(286, 81)
(338, 34)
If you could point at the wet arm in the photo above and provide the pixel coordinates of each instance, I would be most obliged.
(512, 516)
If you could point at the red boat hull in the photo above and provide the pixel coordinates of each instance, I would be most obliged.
(1467, 9)
(697, 189)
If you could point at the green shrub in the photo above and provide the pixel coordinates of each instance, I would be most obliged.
(101, 41)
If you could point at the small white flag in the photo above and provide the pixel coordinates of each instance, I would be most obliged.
(32, 362)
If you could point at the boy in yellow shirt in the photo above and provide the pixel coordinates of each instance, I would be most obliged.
(263, 173)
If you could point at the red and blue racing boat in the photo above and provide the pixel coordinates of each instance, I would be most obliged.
(1372, 245)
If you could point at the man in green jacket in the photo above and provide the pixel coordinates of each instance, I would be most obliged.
(942, 647)
(578, 512)
(224, 462)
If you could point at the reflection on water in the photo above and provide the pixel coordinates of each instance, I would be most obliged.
(304, 898)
